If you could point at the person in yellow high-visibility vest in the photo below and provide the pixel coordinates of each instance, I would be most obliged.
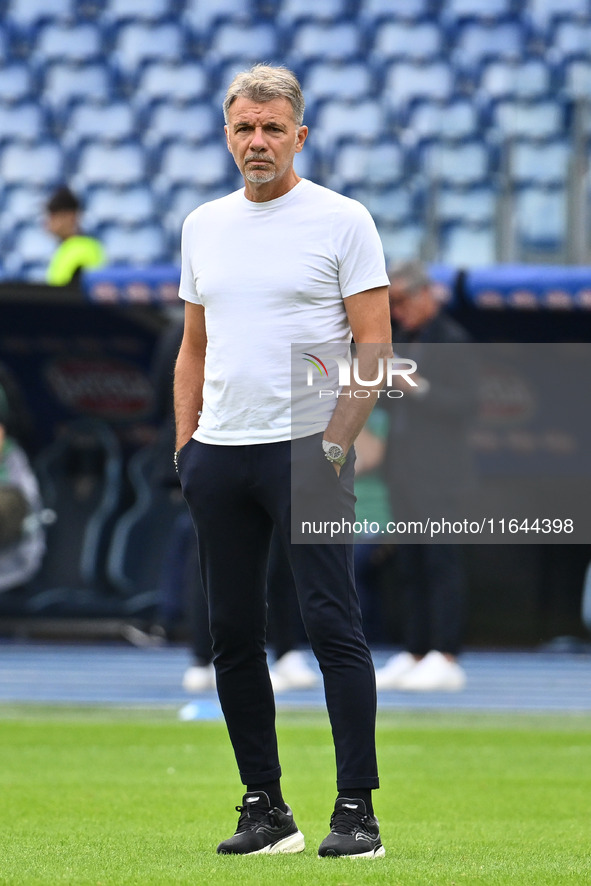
(76, 250)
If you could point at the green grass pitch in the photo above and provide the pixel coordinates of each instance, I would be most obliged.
(118, 797)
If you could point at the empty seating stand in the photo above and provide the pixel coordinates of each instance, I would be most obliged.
(125, 96)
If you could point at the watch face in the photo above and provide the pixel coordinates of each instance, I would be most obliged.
(334, 451)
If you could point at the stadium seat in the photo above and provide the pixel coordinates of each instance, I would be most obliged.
(122, 164)
(137, 43)
(233, 40)
(475, 204)
(190, 122)
(64, 83)
(201, 14)
(372, 10)
(477, 42)
(378, 163)
(342, 81)
(32, 245)
(80, 479)
(527, 79)
(37, 164)
(206, 165)
(22, 203)
(454, 10)
(137, 10)
(572, 39)
(306, 162)
(458, 163)
(16, 83)
(407, 40)
(543, 119)
(22, 122)
(291, 11)
(33, 12)
(126, 206)
(317, 41)
(577, 79)
(467, 246)
(366, 120)
(68, 42)
(402, 242)
(134, 245)
(141, 534)
(98, 121)
(542, 11)
(389, 206)
(185, 82)
(540, 220)
(182, 200)
(540, 162)
(405, 81)
(455, 119)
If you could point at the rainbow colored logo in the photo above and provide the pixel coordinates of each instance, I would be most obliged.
(317, 362)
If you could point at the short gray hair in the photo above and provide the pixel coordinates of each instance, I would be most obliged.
(262, 83)
(413, 273)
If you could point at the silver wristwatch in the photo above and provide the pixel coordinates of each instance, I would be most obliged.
(334, 453)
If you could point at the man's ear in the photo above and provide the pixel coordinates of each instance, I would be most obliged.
(227, 139)
(301, 138)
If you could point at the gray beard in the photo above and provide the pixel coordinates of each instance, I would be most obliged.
(259, 176)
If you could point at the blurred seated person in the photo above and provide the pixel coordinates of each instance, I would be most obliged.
(76, 251)
(22, 541)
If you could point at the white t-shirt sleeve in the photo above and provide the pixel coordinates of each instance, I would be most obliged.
(187, 288)
(359, 250)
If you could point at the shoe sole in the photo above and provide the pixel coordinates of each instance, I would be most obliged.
(293, 843)
(373, 853)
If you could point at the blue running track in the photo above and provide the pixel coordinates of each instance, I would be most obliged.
(118, 675)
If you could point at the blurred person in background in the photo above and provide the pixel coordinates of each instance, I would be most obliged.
(76, 251)
(425, 463)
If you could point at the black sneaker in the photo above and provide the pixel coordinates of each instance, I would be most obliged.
(263, 830)
(353, 833)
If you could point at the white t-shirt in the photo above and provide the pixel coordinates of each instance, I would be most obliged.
(270, 275)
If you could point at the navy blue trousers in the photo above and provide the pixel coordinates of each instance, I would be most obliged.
(237, 495)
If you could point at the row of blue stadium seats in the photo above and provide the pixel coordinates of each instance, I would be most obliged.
(364, 120)
(394, 86)
(383, 161)
(201, 13)
(136, 228)
(460, 243)
(388, 204)
(132, 44)
(385, 95)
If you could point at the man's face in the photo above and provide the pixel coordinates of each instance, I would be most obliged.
(62, 224)
(409, 308)
(263, 138)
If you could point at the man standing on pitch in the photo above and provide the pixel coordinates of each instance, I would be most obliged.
(279, 262)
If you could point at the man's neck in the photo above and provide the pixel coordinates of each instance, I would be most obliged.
(266, 191)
